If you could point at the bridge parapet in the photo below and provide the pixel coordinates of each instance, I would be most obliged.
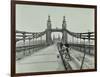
(23, 51)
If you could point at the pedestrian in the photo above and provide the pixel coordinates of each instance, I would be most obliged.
(61, 45)
(67, 50)
(58, 56)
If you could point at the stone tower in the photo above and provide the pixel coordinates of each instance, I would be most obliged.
(64, 33)
(48, 31)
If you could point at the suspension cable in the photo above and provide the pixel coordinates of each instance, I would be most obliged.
(83, 56)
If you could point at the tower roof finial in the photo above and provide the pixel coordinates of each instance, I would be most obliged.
(64, 18)
(49, 18)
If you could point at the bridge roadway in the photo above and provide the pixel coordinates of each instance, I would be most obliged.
(43, 60)
(46, 60)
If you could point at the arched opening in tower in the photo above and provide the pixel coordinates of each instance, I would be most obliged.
(56, 36)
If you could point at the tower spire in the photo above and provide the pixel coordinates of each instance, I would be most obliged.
(64, 19)
(48, 31)
(64, 23)
(64, 36)
(49, 20)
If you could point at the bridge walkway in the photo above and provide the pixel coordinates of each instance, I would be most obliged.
(43, 60)
(77, 57)
(46, 60)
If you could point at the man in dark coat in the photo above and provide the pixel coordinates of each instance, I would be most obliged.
(67, 49)
(61, 45)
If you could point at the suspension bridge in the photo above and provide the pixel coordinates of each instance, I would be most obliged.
(40, 55)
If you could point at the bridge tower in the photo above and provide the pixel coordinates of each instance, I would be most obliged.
(64, 33)
(48, 31)
(54, 37)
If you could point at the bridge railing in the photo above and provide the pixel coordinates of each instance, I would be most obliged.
(23, 51)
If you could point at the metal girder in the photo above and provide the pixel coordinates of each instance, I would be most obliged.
(56, 30)
(86, 35)
(26, 37)
(25, 32)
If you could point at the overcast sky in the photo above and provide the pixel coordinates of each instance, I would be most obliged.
(33, 18)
